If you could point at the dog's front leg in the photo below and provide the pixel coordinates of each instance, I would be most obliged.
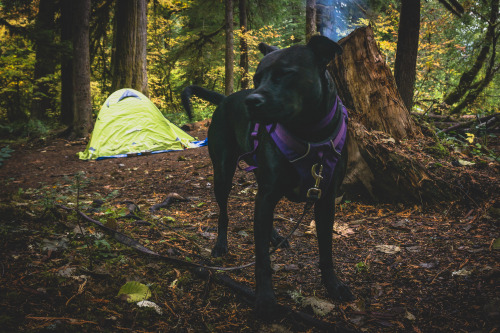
(324, 212)
(265, 203)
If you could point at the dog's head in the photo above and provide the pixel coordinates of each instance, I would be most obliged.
(290, 81)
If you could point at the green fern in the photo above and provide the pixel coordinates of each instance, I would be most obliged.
(5, 153)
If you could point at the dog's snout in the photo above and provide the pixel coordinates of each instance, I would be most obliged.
(255, 100)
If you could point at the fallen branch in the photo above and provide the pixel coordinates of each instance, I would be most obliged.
(69, 320)
(444, 125)
(207, 271)
(469, 123)
(444, 118)
(79, 292)
(170, 199)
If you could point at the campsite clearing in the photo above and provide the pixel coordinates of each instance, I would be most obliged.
(413, 268)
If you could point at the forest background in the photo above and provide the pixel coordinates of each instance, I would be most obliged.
(186, 45)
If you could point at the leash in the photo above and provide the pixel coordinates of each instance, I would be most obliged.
(313, 195)
(131, 242)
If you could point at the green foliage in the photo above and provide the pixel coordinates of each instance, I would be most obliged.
(27, 129)
(438, 150)
(17, 62)
(5, 153)
(134, 291)
(448, 47)
(469, 143)
(361, 267)
(186, 45)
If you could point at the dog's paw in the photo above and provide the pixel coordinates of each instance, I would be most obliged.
(339, 291)
(280, 241)
(219, 251)
(266, 306)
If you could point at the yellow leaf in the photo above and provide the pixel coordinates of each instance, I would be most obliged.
(470, 137)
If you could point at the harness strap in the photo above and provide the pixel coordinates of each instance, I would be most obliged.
(304, 154)
(251, 153)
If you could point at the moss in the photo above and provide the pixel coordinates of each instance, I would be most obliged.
(437, 150)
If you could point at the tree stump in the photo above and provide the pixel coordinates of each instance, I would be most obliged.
(366, 85)
(382, 163)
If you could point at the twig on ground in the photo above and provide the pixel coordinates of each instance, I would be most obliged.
(203, 271)
(69, 320)
(440, 272)
(171, 198)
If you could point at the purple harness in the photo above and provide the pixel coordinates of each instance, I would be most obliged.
(306, 156)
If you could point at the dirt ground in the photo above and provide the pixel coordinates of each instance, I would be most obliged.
(413, 268)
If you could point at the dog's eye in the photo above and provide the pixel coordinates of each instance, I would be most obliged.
(283, 73)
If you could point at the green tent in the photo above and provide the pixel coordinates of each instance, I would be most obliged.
(129, 124)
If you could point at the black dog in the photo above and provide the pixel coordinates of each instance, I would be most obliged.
(297, 110)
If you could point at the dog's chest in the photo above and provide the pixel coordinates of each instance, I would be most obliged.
(306, 158)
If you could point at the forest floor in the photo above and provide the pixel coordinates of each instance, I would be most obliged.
(413, 268)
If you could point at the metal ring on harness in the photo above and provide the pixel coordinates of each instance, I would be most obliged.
(314, 193)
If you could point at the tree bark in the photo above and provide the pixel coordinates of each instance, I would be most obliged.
(366, 85)
(141, 77)
(245, 79)
(45, 65)
(310, 19)
(129, 56)
(405, 67)
(379, 166)
(229, 66)
(67, 114)
(82, 123)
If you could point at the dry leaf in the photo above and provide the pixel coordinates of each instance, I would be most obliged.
(388, 249)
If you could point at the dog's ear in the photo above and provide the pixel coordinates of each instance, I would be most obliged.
(266, 49)
(324, 48)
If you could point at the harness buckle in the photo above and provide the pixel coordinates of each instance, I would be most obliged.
(314, 193)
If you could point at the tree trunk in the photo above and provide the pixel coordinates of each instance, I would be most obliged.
(379, 165)
(129, 56)
(405, 67)
(466, 82)
(366, 85)
(45, 65)
(82, 123)
(310, 19)
(229, 67)
(245, 79)
(141, 76)
(67, 115)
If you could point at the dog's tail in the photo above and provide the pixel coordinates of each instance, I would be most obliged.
(208, 95)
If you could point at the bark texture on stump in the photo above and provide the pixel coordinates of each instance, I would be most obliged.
(382, 164)
(366, 84)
